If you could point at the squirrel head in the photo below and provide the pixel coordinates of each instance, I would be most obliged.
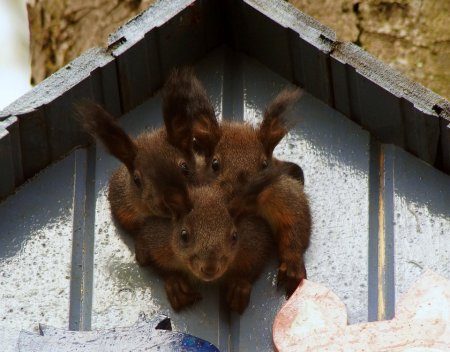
(204, 237)
(234, 151)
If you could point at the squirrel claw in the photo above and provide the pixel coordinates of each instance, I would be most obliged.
(290, 275)
(180, 293)
(238, 295)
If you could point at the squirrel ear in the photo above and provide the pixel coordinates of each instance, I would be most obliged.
(100, 124)
(174, 108)
(274, 125)
(184, 100)
(207, 133)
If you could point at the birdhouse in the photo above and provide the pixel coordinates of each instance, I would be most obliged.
(374, 147)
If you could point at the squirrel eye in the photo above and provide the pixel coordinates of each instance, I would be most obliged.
(234, 237)
(184, 167)
(215, 164)
(265, 164)
(184, 236)
(137, 180)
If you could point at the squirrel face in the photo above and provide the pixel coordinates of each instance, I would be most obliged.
(141, 180)
(235, 151)
(205, 238)
(238, 154)
(134, 188)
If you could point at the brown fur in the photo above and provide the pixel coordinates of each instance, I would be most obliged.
(274, 125)
(244, 151)
(285, 206)
(209, 252)
(131, 189)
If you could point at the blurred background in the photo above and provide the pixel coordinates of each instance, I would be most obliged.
(15, 69)
(410, 35)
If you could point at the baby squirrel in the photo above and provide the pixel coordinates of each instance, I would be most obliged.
(204, 241)
(131, 190)
(234, 151)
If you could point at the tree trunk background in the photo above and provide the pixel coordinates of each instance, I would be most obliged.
(411, 35)
(60, 30)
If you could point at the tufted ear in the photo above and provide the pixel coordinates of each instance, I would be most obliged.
(100, 124)
(274, 125)
(184, 103)
(207, 133)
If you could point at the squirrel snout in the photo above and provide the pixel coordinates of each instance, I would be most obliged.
(209, 270)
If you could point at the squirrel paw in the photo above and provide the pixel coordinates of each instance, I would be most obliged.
(238, 295)
(180, 293)
(290, 274)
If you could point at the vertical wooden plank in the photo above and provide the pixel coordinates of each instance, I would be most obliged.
(311, 68)
(34, 142)
(80, 311)
(385, 235)
(444, 147)
(421, 220)
(181, 40)
(7, 177)
(421, 132)
(11, 124)
(35, 245)
(134, 63)
(340, 86)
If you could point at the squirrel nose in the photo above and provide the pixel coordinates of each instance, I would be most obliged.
(209, 270)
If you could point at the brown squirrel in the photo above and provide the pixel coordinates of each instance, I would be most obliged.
(236, 151)
(204, 242)
(135, 188)
(131, 190)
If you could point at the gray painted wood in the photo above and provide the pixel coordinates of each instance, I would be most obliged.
(35, 143)
(421, 219)
(35, 247)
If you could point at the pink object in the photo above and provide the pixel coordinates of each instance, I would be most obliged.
(315, 319)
